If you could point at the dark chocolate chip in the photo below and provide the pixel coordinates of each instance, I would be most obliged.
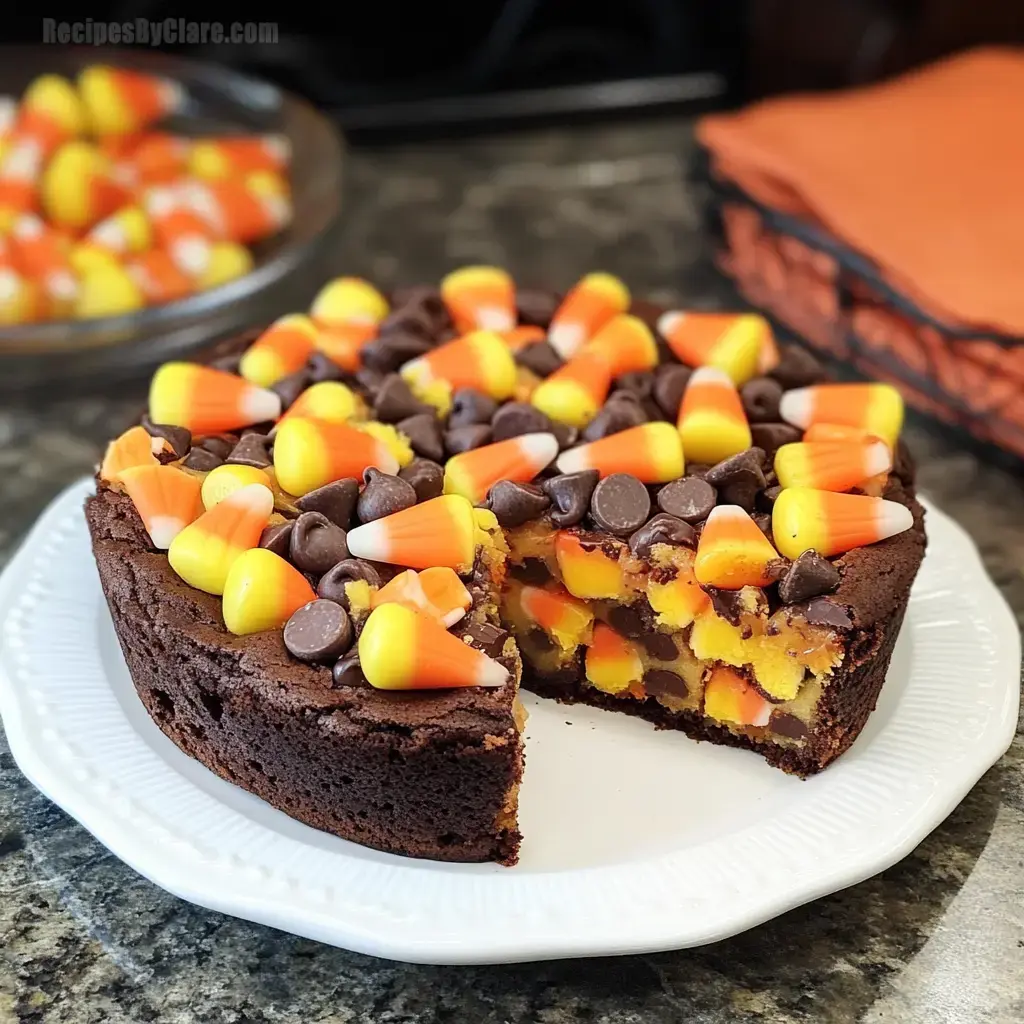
(625, 619)
(809, 576)
(332, 583)
(728, 604)
(540, 358)
(348, 672)
(637, 382)
(738, 478)
(202, 460)
(321, 367)
(228, 363)
(484, 637)
(659, 682)
(426, 477)
(782, 723)
(536, 306)
(470, 406)
(820, 611)
(251, 450)
(769, 437)
(797, 368)
(336, 501)
(761, 397)
(670, 382)
(662, 529)
(565, 435)
(690, 499)
(317, 544)
(219, 444)
(277, 538)
(570, 494)
(389, 351)
(697, 469)
(424, 433)
(517, 418)
(514, 503)
(766, 499)
(179, 438)
(764, 523)
(462, 439)
(395, 401)
(660, 645)
(318, 631)
(619, 413)
(531, 571)
(620, 504)
(369, 380)
(289, 388)
(383, 495)
(422, 301)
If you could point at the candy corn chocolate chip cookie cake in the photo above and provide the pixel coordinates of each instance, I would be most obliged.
(333, 555)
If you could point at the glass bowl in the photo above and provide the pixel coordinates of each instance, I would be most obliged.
(219, 100)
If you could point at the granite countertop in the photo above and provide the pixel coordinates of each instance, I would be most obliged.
(937, 938)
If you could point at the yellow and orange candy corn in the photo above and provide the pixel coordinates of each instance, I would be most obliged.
(441, 531)
(204, 551)
(613, 663)
(832, 523)
(831, 465)
(124, 233)
(575, 392)
(280, 350)
(262, 591)
(519, 337)
(166, 499)
(78, 189)
(587, 307)
(107, 290)
(437, 592)
(51, 112)
(652, 452)
(740, 344)
(309, 453)
(328, 400)
(21, 299)
(348, 301)
(135, 447)
(244, 211)
(587, 572)
(712, 422)
(480, 298)
(400, 649)
(179, 230)
(156, 158)
(564, 618)
(41, 253)
(733, 552)
(838, 432)
(208, 401)
(876, 408)
(679, 601)
(224, 480)
(158, 277)
(231, 156)
(626, 344)
(122, 102)
(520, 459)
(728, 697)
(228, 261)
(343, 343)
(478, 360)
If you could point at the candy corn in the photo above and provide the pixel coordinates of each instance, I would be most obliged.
(238, 211)
(50, 113)
(712, 423)
(520, 459)
(348, 300)
(876, 408)
(208, 401)
(343, 343)
(519, 337)
(21, 299)
(280, 350)
(203, 553)
(123, 233)
(587, 572)
(479, 360)
(179, 230)
(588, 306)
(228, 261)
(831, 465)
(831, 523)
(133, 448)
(232, 156)
(480, 298)
(565, 619)
(20, 171)
(733, 552)
(120, 102)
(437, 592)
(77, 187)
(402, 650)
(328, 400)
(107, 290)
(262, 591)
(679, 601)
(739, 344)
(441, 531)
(158, 277)
(157, 159)
(575, 392)
(626, 344)
(612, 662)
(41, 253)
(728, 697)
(224, 480)
(166, 499)
(838, 432)
(652, 452)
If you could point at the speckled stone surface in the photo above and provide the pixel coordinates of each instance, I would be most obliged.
(937, 939)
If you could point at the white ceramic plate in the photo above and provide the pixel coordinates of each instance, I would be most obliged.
(636, 840)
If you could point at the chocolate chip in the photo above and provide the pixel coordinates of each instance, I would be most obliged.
(619, 413)
(317, 544)
(764, 523)
(761, 397)
(202, 460)
(662, 529)
(251, 450)
(395, 401)
(463, 439)
(771, 436)
(659, 645)
(383, 495)
(228, 363)
(516, 418)
(514, 503)
(565, 435)
(767, 498)
(638, 382)
(738, 478)
(318, 631)
(697, 469)
(369, 380)
(670, 382)
(782, 723)
(620, 504)
(219, 444)
(321, 367)
(797, 368)
(531, 571)
(690, 499)
(570, 494)
(728, 604)
(820, 611)
(179, 438)
(426, 477)
(659, 682)
(809, 576)
(470, 406)
(336, 501)
(625, 619)
(289, 388)
(389, 351)
(540, 358)
(536, 306)
(348, 672)
(332, 583)
(277, 538)
(424, 433)
(484, 637)
(422, 303)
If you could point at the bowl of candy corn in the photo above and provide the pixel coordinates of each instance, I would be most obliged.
(149, 205)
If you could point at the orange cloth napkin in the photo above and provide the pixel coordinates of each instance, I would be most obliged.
(924, 174)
